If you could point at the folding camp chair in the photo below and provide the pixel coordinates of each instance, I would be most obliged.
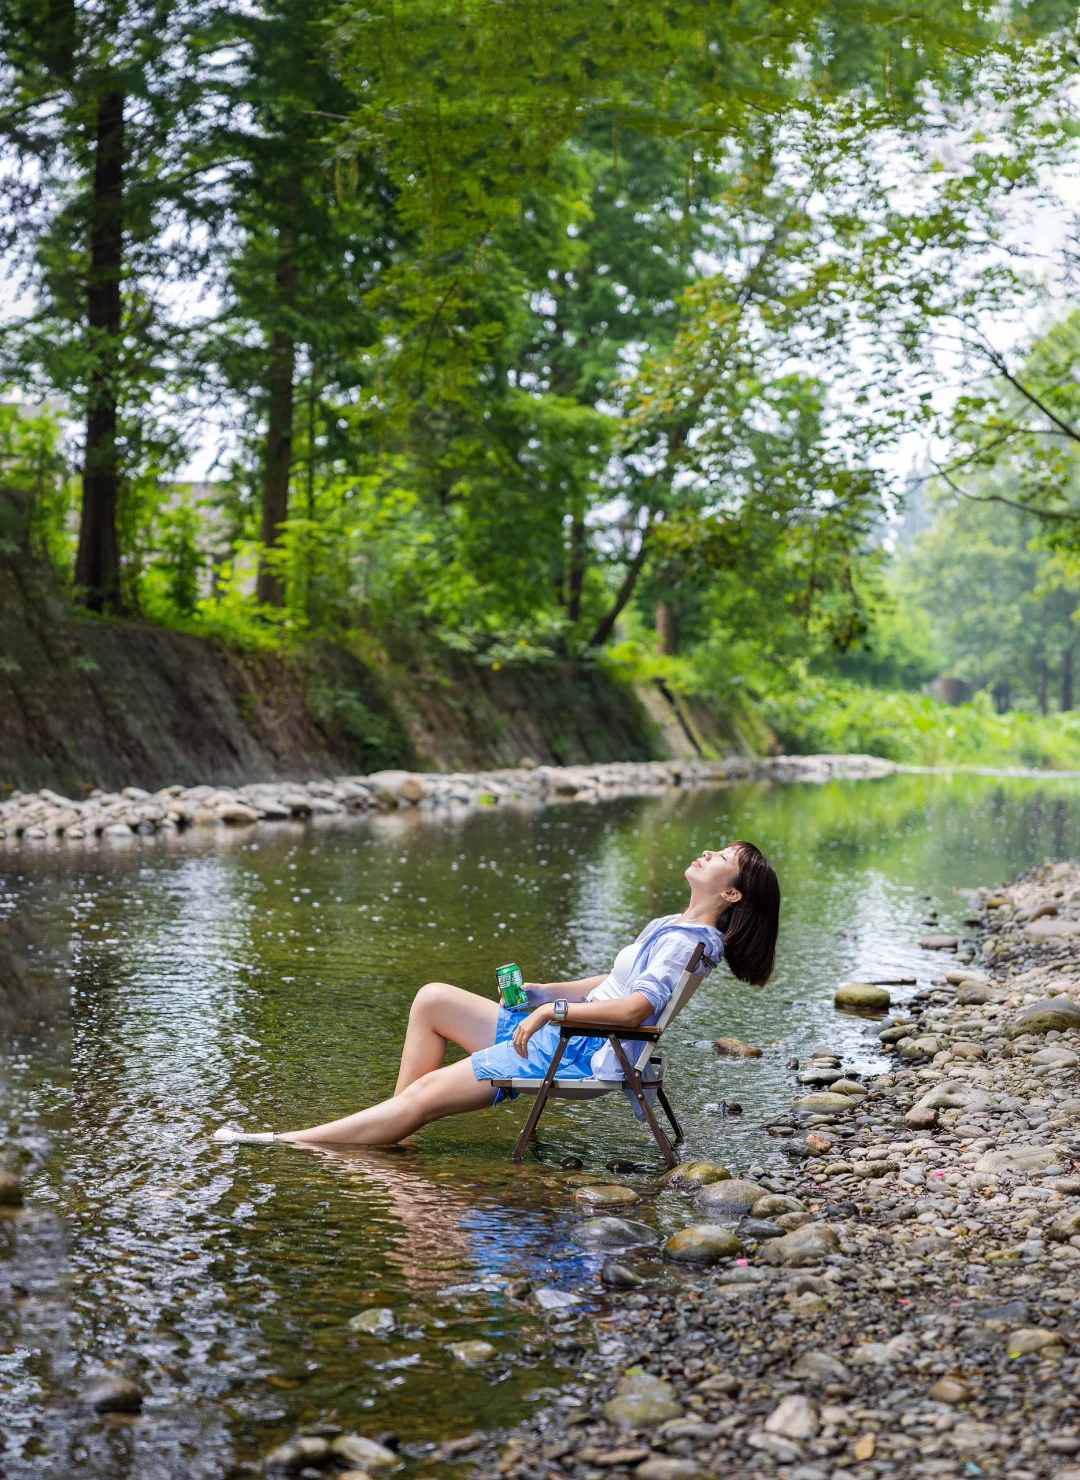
(644, 1079)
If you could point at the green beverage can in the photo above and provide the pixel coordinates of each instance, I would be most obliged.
(512, 986)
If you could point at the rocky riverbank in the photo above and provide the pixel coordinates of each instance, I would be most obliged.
(40, 816)
(903, 1299)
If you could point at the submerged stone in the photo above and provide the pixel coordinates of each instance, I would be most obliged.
(862, 997)
(613, 1233)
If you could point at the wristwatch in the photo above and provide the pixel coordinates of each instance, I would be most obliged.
(559, 1010)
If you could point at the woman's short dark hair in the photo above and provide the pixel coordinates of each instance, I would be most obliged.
(750, 927)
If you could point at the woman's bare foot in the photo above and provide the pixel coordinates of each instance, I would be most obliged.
(244, 1138)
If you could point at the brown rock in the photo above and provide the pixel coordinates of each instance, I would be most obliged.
(734, 1048)
(921, 1117)
(948, 1390)
(939, 943)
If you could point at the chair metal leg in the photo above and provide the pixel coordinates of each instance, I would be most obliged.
(538, 1106)
(670, 1113)
(633, 1079)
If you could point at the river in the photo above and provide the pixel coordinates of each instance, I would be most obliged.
(265, 983)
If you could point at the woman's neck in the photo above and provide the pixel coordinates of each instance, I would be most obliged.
(700, 912)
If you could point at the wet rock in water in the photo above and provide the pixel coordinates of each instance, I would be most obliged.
(617, 1275)
(735, 1197)
(703, 1244)
(820, 1074)
(642, 1401)
(295, 1454)
(549, 1297)
(1017, 1159)
(606, 1196)
(571, 1163)
(1035, 1339)
(363, 1454)
(734, 1048)
(471, 1353)
(1054, 1015)
(817, 1142)
(893, 1032)
(696, 1174)
(11, 1193)
(850, 1087)
(661, 1467)
(613, 1233)
(820, 1367)
(948, 1390)
(794, 1418)
(807, 1245)
(862, 997)
(376, 1322)
(112, 1395)
(518, 1289)
(939, 942)
(775, 1203)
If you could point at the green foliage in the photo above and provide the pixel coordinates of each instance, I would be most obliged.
(822, 715)
(34, 472)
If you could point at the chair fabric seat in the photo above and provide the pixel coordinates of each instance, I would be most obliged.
(582, 1089)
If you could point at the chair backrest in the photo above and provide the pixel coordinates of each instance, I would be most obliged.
(685, 988)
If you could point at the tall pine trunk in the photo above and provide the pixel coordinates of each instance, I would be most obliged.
(97, 566)
(279, 431)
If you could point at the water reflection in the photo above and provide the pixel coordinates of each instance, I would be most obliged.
(267, 982)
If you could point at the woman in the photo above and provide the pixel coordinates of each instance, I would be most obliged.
(734, 911)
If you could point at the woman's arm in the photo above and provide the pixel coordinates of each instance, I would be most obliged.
(572, 991)
(627, 1012)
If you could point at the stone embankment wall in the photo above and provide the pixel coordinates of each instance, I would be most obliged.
(903, 1298)
(42, 815)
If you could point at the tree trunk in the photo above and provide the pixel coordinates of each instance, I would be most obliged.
(279, 431)
(1066, 680)
(1044, 686)
(97, 567)
(576, 575)
(606, 625)
(665, 630)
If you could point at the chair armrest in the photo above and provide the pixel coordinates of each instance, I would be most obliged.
(605, 1030)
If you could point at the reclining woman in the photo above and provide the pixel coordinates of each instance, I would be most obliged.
(734, 911)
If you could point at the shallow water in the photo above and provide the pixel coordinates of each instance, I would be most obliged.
(266, 983)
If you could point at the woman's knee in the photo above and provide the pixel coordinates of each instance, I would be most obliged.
(431, 996)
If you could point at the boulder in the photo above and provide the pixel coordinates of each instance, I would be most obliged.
(364, 1454)
(734, 1048)
(703, 1243)
(807, 1245)
(735, 1197)
(642, 1401)
(1053, 1014)
(862, 997)
(112, 1395)
(921, 1117)
(612, 1233)
(696, 1174)
(1015, 1159)
(819, 1367)
(609, 1196)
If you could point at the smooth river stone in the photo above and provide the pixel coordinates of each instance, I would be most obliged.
(703, 1243)
(696, 1174)
(606, 1197)
(822, 1104)
(471, 1353)
(1054, 1014)
(613, 1233)
(363, 1453)
(642, 1401)
(977, 993)
(735, 1197)
(775, 1203)
(807, 1245)
(378, 1322)
(1017, 1159)
(862, 997)
(819, 1074)
(850, 1087)
(1050, 928)
(735, 1048)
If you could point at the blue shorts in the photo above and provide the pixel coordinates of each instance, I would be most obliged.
(502, 1060)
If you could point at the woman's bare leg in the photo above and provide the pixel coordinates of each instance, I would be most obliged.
(440, 1014)
(448, 1091)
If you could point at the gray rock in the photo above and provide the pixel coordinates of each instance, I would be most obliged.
(1053, 1015)
(862, 997)
(659, 1467)
(823, 1104)
(696, 1174)
(735, 1196)
(819, 1367)
(977, 994)
(794, 1418)
(1064, 1227)
(471, 1353)
(296, 1454)
(364, 1454)
(775, 1203)
(376, 1322)
(703, 1243)
(1054, 1054)
(613, 1233)
(609, 1196)
(1017, 1159)
(642, 1401)
(760, 1228)
(619, 1276)
(548, 1297)
(112, 1395)
(819, 1074)
(807, 1245)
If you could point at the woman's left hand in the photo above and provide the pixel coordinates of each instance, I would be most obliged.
(530, 1025)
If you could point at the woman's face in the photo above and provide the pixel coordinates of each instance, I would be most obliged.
(716, 873)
